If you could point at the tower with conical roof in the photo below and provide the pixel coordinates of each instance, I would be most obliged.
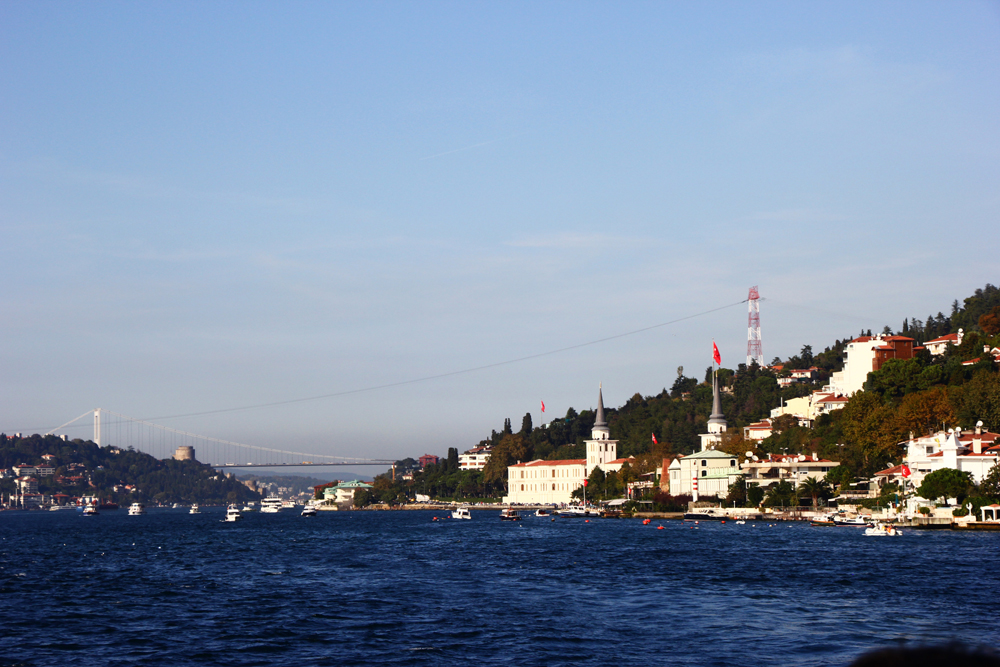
(716, 421)
(601, 449)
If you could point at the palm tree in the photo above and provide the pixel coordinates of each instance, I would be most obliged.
(815, 487)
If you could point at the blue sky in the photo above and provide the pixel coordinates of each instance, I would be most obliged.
(206, 206)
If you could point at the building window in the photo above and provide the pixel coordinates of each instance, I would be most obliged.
(732, 464)
(704, 462)
(522, 487)
(553, 487)
(704, 473)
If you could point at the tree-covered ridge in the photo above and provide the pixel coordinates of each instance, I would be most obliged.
(106, 471)
(864, 436)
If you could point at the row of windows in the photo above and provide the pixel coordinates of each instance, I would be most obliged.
(555, 487)
(535, 474)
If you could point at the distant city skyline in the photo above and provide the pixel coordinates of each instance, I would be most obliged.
(203, 208)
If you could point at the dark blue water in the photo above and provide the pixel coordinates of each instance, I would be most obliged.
(388, 588)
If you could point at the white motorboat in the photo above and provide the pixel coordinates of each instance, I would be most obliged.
(56, 508)
(194, 509)
(90, 510)
(272, 505)
(579, 512)
(541, 512)
(136, 509)
(461, 513)
(233, 514)
(882, 530)
(309, 510)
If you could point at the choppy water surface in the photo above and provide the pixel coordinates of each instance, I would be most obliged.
(398, 588)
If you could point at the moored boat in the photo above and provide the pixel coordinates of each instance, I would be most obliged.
(542, 512)
(706, 514)
(576, 511)
(508, 514)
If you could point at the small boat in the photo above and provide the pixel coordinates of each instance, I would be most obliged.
(309, 510)
(194, 509)
(249, 508)
(882, 530)
(576, 511)
(56, 508)
(175, 506)
(461, 513)
(741, 522)
(232, 514)
(507, 514)
(136, 509)
(541, 512)
(90, 510)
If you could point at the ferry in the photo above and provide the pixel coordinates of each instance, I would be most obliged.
(272, 505)
(136, 509)
(232, 514)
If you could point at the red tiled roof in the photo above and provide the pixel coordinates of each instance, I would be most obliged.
(895, 470)
(833, 399)
(946, 338)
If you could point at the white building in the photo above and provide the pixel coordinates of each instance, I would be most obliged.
(939, 345)
(343, 492)
(553, 482)
(794, 468)
(864, 355)
(714, 471)
(974, 451)
(474, 459)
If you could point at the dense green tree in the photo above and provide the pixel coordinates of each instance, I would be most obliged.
(946, 483)
(781, 494)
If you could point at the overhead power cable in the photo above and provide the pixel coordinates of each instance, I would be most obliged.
(444, 375)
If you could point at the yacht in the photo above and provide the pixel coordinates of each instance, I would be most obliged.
(271, 505)
(233, 514)
(706, 514)
(542, 512)
(136, 509)
(90, 510)
(461, 513)
(194, 509)
(309, 510)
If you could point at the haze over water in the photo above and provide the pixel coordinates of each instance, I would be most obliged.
(397, 588)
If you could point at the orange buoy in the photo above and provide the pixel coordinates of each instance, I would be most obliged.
(659, 527)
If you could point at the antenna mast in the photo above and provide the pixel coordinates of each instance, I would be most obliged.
(754, 352)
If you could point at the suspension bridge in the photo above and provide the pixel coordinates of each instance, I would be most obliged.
(163, 442)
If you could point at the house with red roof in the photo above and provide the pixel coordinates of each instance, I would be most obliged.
(939, 345)
(974, 451)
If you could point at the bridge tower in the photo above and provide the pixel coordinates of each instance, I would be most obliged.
(97, 427)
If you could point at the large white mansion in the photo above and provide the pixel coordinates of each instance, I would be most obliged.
(547, 482)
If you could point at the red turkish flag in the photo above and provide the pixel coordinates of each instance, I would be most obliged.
(906, 471)
(543, 406)
(585, 482)
(715, 353)
(654, 439)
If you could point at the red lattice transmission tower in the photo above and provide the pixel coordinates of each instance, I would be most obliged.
(754, 352)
